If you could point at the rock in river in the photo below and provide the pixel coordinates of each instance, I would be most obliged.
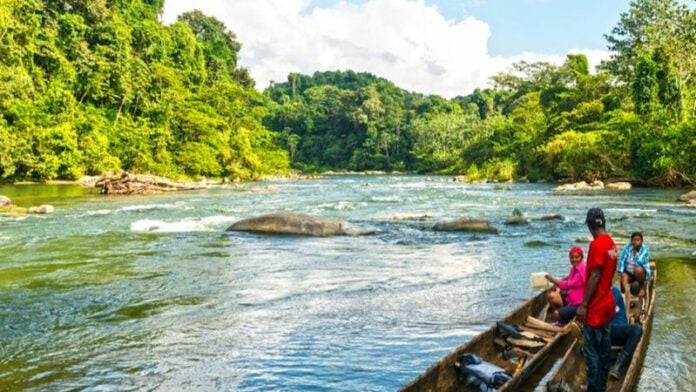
(516, 220)
(297, 224)
(42, 209)
(5, 201)
(466, 224)
(12, 209)
(580, 186)
(551, 217)
(689, 198)
(618, 186)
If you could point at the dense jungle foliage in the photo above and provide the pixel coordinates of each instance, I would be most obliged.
(88, 87)
(635, 117)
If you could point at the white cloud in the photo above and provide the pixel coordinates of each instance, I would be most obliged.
(406, 41)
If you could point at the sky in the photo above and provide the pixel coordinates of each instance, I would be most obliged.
(444, 47)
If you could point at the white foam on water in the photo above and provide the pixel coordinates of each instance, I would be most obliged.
(218, 219)
(158, 226)
(139, 208)
(187, 225)
(387, 198)
(340, 206)
(414, 185)
(636, 210)
(147, 207)
(98, 212)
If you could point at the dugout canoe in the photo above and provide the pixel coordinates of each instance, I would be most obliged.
(443, 375)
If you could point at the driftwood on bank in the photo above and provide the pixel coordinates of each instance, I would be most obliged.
(136, 184)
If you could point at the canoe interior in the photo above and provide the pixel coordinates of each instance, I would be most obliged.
(572, 373)
(442, 376)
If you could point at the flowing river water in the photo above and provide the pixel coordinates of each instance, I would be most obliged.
(151, 293)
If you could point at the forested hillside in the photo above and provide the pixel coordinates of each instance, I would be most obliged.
(632, 118)
(94, 86)
(88, 87)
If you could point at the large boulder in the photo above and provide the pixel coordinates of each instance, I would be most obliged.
(466, 224)
(297, 224)
(5, 201)
(619, 186)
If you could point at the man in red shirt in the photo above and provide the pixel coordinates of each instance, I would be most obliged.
(598, 308)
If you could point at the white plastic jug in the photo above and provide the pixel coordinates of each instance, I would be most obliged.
(538, 280)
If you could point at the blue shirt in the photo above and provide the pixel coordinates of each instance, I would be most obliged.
(620, 316)
(642, 258)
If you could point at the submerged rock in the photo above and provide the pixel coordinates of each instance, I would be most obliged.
(12, 209)
(297, 224)
(584, 240)
(42, 209)
(264, 189)
(551, 217)
(466, 224)
(536, 244)
(5, 201)
(516, 220)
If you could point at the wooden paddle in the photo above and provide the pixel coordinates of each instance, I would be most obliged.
(539, 332)
(536, 323)
(526, 344)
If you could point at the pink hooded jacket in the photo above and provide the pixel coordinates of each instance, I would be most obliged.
(574, 284)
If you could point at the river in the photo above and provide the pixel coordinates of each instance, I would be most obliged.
(151, 293)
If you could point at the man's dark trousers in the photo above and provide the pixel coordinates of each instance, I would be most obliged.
(597, 352)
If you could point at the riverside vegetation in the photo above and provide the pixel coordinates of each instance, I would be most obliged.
(88, 87)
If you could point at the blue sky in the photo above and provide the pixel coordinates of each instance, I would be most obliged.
(443, 47)
(543, 26)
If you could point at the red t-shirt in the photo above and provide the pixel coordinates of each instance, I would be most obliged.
(602, 254)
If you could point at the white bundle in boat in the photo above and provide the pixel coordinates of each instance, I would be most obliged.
(538, 280)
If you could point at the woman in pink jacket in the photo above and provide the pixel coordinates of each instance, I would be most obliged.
(571, 290)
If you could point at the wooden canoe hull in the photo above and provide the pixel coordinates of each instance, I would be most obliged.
(630, 380)
(573, 372)
(442, 376)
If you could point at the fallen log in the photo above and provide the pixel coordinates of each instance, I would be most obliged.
(134, 184)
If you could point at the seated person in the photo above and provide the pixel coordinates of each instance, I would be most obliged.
(568, 296)
(633, 264)
(621, 333)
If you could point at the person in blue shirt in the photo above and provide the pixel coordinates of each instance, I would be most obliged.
(633, 264)
(621, 333)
